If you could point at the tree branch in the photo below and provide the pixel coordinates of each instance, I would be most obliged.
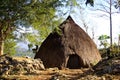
(103, 11)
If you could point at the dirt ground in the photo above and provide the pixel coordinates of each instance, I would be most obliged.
(48, 74)
(67, 74)
(101, 72)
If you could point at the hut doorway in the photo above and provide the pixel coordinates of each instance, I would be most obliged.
(74, 62)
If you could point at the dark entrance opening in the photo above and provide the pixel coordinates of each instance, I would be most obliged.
(74, 62)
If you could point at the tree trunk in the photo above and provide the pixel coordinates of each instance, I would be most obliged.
(1, 43)
(1, 47)
(111, 23)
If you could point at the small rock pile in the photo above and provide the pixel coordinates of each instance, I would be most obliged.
(110, 66)
(13, 66)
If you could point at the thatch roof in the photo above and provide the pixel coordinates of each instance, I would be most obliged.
(73, 48)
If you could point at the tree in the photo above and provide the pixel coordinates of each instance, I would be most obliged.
(36, 13)
(109, 10)
(10, 46)
(103, 40)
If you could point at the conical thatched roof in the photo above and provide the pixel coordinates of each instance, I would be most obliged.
(73, 48)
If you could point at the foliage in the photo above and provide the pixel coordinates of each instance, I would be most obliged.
(10, 46)
(103, 37)
(103, 52)
(58, 31)
(32, 12)
(114, 51)
(39, 14)
(103, 40)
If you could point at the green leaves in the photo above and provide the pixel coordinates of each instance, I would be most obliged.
(40, 14)
(10, 46)
(103, 37)
(103, 40)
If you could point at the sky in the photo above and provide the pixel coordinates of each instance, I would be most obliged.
(98, 21)
(95, 20)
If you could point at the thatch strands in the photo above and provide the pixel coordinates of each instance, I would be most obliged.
(71, 48)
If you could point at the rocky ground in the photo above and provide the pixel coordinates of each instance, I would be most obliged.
(24, 68)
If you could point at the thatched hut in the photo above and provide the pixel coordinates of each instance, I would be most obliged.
(71, 48)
